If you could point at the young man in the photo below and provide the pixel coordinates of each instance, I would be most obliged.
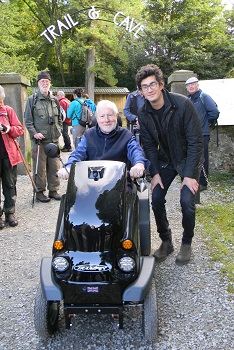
(65, 103)
(207, 112)
(172, 141)
(108, 141)
(44, 123)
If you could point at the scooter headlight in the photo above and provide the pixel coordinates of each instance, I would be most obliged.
(60, 264)
(126, 264)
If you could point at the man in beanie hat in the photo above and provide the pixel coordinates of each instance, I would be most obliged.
(44, 123)
(207, 111)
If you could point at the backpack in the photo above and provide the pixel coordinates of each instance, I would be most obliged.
(63, 113)
(86, 115)
(213, 123)
(34, 102)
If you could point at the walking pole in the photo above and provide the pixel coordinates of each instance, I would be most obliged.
(36, 168)
(26, 167)
(217, 133)
(0, 195)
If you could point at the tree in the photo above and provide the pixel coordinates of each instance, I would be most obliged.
(16, 44)
(189, 34)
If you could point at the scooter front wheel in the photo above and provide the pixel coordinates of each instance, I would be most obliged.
(46, 314)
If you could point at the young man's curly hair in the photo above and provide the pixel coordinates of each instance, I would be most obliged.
(147, 71)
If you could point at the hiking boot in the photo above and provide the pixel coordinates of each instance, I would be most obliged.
(11, 219)
(41, 197)
(55, 195)
(184, 254)
(2, 224)
(164, 250)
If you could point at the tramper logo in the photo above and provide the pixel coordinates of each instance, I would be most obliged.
(93, 268)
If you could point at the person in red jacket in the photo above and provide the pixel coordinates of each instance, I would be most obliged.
(65, 103)
(10, 129)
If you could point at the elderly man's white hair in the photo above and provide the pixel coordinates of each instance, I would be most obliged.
(62, 93)
(2, 92)
(106, 103)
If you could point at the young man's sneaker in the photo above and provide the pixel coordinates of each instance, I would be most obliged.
(55, 195)
(41, 197)
(184, 254)
(11, 219)
(164, 250)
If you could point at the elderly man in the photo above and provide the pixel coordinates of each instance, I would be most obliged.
(108, 141)
(207, 112)
(44, 123)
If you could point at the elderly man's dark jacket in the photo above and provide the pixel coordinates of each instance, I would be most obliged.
(183, 132)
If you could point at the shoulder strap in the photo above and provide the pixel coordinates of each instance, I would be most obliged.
(202, 98)
(80, 102)
(6, 116)
(34, 101)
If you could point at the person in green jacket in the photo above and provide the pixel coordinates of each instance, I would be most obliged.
(44, 123)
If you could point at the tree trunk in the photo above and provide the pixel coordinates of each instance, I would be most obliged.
(89, 74)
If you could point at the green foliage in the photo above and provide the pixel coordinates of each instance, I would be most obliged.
(15, 41)
(216, 217)
(179, 34)
(189, 34)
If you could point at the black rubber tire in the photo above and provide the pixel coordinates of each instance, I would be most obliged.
(144, 222)
(46, 314)
(150, 314)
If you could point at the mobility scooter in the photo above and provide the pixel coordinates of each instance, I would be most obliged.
(101, 261)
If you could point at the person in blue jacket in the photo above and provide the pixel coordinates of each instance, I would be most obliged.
(133, 102)
(108, 141)
(207, 112)
(74, 113)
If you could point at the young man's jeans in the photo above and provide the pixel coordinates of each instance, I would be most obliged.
(187, 202)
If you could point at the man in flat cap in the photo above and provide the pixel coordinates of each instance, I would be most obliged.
(43, 122)
(208, 112)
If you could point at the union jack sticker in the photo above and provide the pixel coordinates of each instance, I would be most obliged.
(92, 289)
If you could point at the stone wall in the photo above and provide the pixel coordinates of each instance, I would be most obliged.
(15, 86)
(221, 157)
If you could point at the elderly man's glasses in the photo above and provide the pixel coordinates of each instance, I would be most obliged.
(152, 85)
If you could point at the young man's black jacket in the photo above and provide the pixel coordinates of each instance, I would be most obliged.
(183, 132)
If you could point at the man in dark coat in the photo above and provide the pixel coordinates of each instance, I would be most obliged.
(171, 136)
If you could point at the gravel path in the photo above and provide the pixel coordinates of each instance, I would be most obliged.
(195, 311)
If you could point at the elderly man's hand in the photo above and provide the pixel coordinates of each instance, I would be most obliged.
(63, 173)
(137, 171)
